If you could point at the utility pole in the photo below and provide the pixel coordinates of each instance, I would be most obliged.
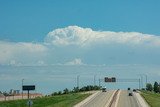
(99, 82)
(22, 88)
(142, 81)
(78, 81)
(139, 84)
(94, 80)
(146, 79)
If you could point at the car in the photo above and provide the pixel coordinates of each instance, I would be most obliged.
(130, 94)
(134, 90)
(104, 89)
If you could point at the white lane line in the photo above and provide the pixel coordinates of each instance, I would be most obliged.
(110, 99)
(80, 104)
(117, 99)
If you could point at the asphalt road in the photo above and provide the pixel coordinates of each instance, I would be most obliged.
(126, 101)
(100, 100)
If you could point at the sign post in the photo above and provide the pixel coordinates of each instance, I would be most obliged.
(28, 88)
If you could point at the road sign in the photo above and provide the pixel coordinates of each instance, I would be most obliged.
(29, 103)
(28, 87)
(112, 79)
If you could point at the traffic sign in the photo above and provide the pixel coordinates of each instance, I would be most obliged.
(112, 79)
(28, 87)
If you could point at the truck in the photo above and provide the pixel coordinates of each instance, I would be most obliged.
(104, 89)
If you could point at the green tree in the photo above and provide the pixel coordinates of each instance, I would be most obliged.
(76, 89)
(53, 94)
(149, 87)
(65, 91)
(156, 87)
(59, 92)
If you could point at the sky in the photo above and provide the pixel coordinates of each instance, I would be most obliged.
(29, 20)
(79, 33)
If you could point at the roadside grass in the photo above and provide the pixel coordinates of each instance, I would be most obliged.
(67, 100)
(152, 98)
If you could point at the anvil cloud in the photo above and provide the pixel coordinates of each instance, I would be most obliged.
(93, 47)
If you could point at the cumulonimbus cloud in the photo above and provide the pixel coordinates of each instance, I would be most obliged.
(74, 35)
(60, 46)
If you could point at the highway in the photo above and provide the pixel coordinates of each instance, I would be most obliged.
(100, 100)
(126, 101)
(107, 99)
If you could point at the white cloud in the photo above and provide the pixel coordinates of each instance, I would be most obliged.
(65, 44)
(14, 53)
(40, 62)
(76, 61)
(74, 35)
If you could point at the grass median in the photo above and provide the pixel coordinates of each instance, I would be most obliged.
(67, 100)
(152, 98)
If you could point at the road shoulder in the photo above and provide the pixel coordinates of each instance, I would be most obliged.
(140, 100)
(87, 99)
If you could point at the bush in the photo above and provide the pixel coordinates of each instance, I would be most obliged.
(149, 87)
(59, 92)
(65, 91)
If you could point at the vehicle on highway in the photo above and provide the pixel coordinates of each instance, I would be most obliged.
(134, 90)
(104, 89)
(130, 92)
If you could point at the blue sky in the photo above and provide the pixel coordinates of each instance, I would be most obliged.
(52, 39)
(26, 21)
(79, 32)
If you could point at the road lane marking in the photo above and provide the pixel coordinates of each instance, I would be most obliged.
(117, 100)
(110, 99)
(88, 99)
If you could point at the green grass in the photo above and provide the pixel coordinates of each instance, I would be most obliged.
(67, 100)
(152, 98)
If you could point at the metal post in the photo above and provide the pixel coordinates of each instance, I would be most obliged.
(141, 81)
(99, 82)
(28, 94)
(94, 80)
(22, 88)
(78, 81)
(146, 79)
(139, 84)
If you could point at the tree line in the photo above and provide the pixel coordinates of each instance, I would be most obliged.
(76, 90)
(155, 87)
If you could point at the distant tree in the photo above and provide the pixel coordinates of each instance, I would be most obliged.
(59, 92)
(149, 87)
(96, 87)
(159, 88)
(53, 94)
(156, 87)
(5, 93)
(75, 89)
(65, 91)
